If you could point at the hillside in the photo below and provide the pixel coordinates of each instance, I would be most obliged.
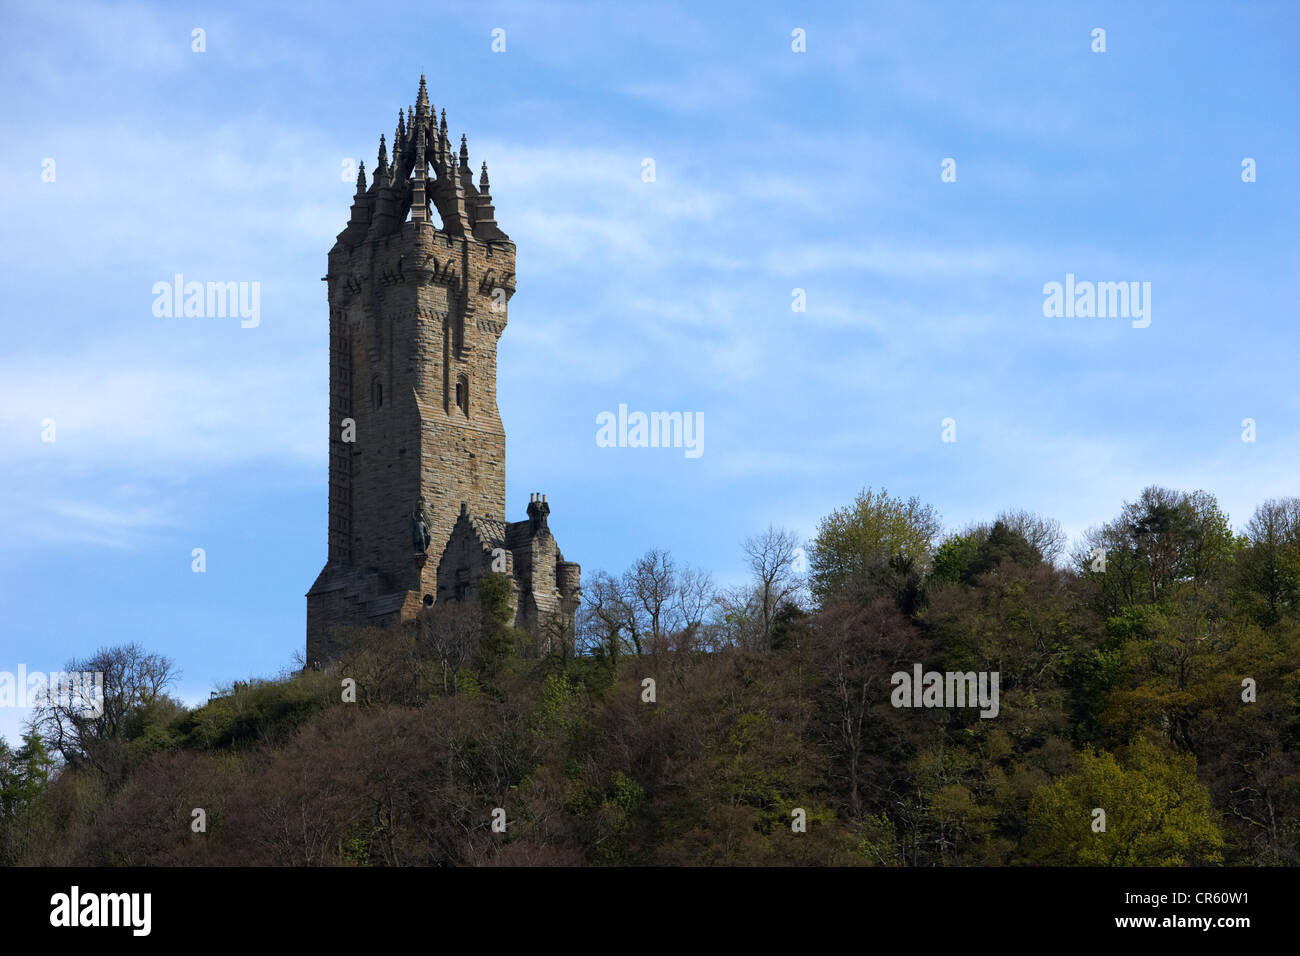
(1122, 686)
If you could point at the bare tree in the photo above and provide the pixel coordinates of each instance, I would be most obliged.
(451, 632)
(651, 583)
(857, 649)
(1043, 534)
(694, 597)
(87, 730)
(771, 557)
(739, 619)
(653, 606)
(607, 619)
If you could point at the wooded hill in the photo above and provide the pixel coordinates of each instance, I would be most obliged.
(1154, 674)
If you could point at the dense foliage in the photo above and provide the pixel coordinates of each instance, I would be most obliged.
(1154, 676)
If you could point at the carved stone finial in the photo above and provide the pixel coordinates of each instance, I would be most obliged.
(422, 100)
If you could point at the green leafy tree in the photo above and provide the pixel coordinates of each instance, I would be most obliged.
(1003, 545)
(24, 775)
(1156, 813)
(879, 545)
(953, 557)
(1268, 567)
(1164, 541)
(500, 640)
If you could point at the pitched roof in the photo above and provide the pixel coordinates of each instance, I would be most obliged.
(491, 531)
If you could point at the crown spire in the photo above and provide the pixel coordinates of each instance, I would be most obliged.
(419, 200)
(425, 167)
(422, 101)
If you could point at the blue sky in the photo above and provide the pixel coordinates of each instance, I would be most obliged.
(775, 170)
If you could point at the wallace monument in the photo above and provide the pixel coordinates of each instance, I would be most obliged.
(417, 450)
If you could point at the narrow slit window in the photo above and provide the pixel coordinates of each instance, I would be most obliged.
(462, 395)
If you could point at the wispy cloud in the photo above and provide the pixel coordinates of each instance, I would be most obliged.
(112, 407)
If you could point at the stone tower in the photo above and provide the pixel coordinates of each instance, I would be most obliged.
(418, 283)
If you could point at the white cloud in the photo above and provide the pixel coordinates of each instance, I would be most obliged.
(900, 260)
(117, 406)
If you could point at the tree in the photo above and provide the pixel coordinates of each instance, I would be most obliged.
(651, 584)
(1269, 565)
(771, 558)
(789, 626)
(605, 620)
(954, 556)
(498, 640)
(1043, 534)
(1024, 623)
(93, 734)
(1156, 813)
(739, 617)
(653, 606)
(24, 774)
(856, 650)
(1162, 541)
(878, 545)
(694, 597)
(1002, 544)
(1158, 522)
(1210, 546)
(1020, 536)
(451, 631)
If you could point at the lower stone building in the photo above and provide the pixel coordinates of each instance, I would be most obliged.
(546, 588)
